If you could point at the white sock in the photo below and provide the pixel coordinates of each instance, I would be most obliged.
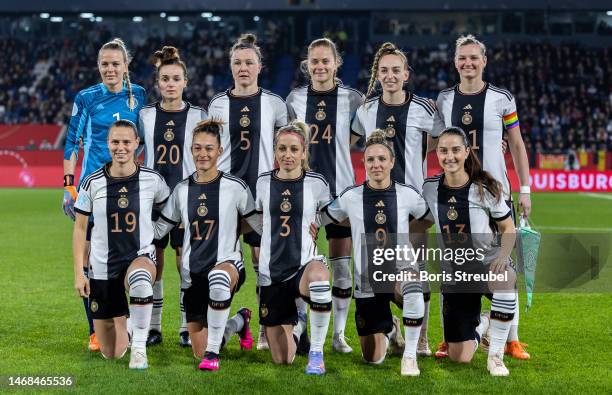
(183, 327)
(481, 329)
(412, 312)
(220, 295)
(234, 325)
(341, 291)
(502, 310)
(141, 305)
(320, 311)
(302, 318)
(158, 302)
(513, 333)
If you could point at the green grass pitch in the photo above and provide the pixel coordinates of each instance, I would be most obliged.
(43, 329)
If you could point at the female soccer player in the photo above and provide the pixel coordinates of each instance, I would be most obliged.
(250, 115)
(290, 267)
(208, 204)
(463, 200)
(166, 128)
(486, 112)
(328, 107)
(382, 207)
(120, 198)
(94, 110)
(407, 120)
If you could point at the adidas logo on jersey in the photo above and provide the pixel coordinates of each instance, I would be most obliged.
(202, 196)
(286, 193)
(321, 103)
(245, 109)
(468, 107)
(380, 204)
(452, 200)
(170, 123)
(123, 190)
(391, 119)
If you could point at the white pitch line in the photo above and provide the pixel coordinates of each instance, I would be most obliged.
(606, 196)
(573, 228)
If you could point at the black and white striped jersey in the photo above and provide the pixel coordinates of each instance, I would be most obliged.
(249, 123)
(378, 213)
(406, 125)
(167, 137)
(289, 207)
(121, 209)
(463, 210)
(329, 115)
(481, 116)
(210, 213)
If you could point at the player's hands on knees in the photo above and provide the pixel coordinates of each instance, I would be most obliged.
(314, 231)
(81, 285)
(525, 204)
(70, 196)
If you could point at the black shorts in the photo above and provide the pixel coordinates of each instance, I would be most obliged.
(107, 298)
(175, 237)
(277, 301)
(252, 238)
(196, 297)
(373, 314)
(333, 231)
(461, 314)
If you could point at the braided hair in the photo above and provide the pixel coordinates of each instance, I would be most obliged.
(385, 49)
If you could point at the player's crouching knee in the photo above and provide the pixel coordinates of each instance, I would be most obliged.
(460, 354)
(108, 352)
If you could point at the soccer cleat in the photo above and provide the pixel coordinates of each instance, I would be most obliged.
(340, 345)
(138, 359)
(495, 366)
(396, 342)
(155, 337)
(516, 350)
(210, 362)
(409, 367)
(184, 339)
(423, 347)
(93, 343)
(442, 351)
(315, 365)
(262, 342)
(246, 338)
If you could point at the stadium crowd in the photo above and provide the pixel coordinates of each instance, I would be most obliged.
(564, 92)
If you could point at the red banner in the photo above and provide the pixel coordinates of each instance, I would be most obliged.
(570, 181)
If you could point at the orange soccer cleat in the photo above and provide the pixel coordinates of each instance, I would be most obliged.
(516, 350)
(442, 351)
(93, 343)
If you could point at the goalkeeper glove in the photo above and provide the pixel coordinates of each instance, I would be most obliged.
(70, 196)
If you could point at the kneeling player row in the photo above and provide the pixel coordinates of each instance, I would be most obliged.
(120, 198)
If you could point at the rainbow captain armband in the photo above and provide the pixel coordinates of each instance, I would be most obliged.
(511, 120)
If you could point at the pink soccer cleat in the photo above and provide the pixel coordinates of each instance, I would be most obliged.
(210, 362)
(246, 338)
